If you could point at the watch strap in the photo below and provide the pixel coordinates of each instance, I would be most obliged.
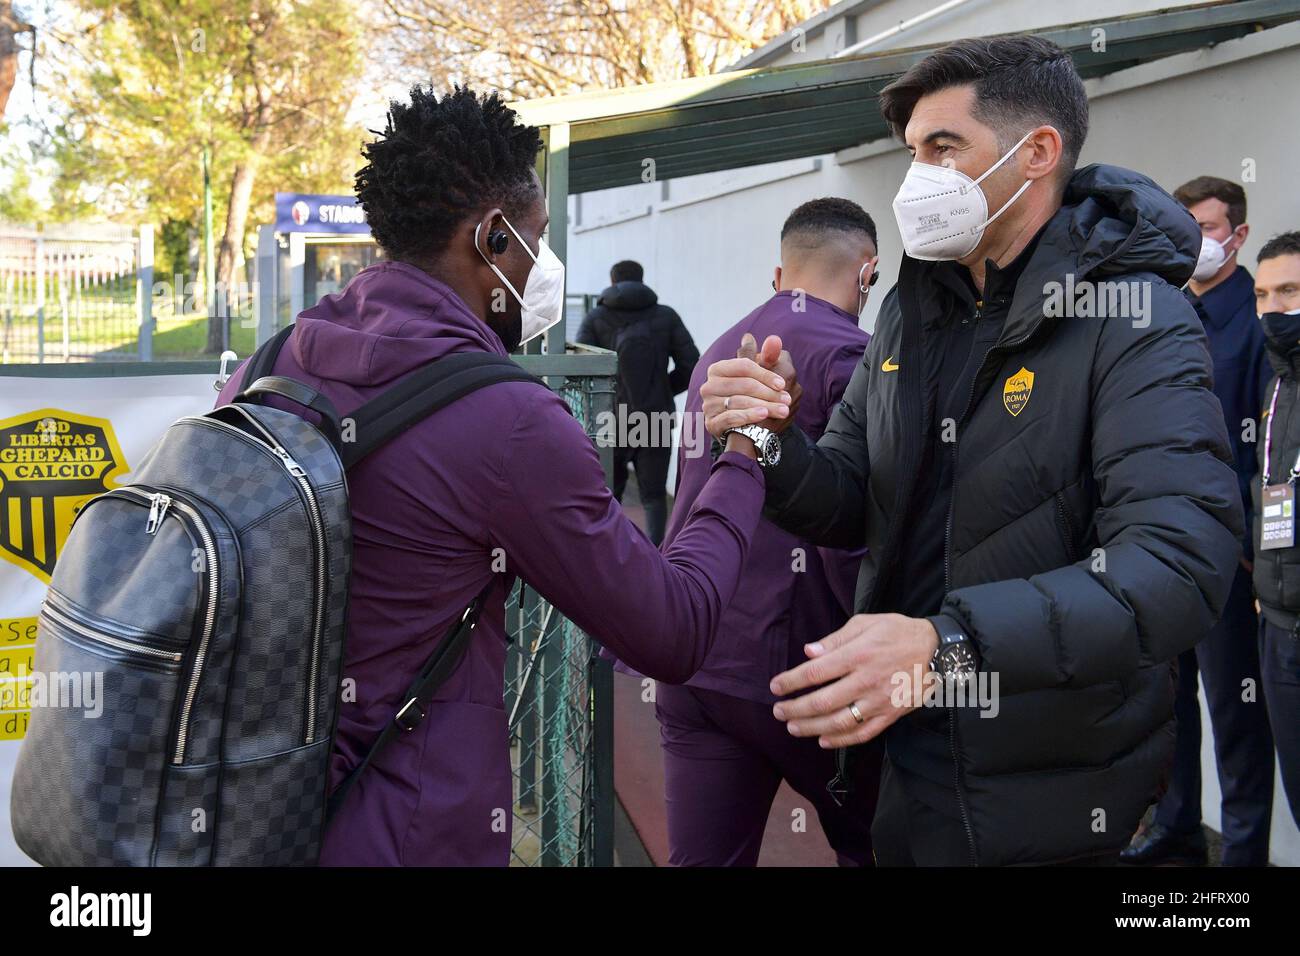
(951, 631)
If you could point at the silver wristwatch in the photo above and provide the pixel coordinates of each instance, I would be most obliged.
(766, 443)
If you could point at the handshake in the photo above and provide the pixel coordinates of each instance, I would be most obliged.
(846, 687)
(755, 388)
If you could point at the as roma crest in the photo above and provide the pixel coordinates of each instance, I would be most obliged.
(51, 463)
(1015, 393)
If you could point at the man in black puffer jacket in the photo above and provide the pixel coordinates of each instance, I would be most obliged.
(629, 319)
(1277, 556)
(1034, 458)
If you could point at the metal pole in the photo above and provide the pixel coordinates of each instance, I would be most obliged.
(557, 204)
(264, 296)
(601, 399)
(209, 257)
(40, 296)
(602, 760)
(528, 724)
(144, 293)
(555, 805)
(63, 309)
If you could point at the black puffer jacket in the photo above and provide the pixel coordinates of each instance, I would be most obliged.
(1093, 529)
(1277, 571)
(629, 319)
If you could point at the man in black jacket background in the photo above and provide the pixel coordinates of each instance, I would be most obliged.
(1227, 659)
(629, 319)
(1034, 458)
(1277, 557)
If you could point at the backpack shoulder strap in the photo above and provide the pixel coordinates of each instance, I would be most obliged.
(262, 361)
(422, 393)
(440, 665)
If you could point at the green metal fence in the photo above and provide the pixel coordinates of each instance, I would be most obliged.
(558, 691)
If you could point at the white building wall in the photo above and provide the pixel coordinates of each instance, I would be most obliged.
(709, 243)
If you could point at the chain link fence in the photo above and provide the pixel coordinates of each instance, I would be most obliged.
(559, 692)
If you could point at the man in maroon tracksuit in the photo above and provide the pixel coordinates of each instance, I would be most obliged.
(725, 755)
(452, 198)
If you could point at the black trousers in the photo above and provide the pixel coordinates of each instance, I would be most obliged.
(1279, 657)
(1243, 742)
(651, 481)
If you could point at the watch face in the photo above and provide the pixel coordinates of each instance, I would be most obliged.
(957, 660)
(771, 450)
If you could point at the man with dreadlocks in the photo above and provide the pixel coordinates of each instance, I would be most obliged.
(503, 480)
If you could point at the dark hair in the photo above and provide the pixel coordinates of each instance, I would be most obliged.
(439, 161)
(819, 216)
(1286, 244)
(1212, 187)
(627, 270)
(1020, 82)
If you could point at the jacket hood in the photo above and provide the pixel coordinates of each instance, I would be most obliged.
(628, 297)
(391, 319)
(1113, 223)
(1121, 222)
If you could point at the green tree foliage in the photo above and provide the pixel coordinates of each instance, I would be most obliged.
(265, 84)
(17, 204)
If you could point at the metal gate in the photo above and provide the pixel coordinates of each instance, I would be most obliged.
(75, 293)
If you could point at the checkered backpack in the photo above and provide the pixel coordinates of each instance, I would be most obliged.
(203, 606)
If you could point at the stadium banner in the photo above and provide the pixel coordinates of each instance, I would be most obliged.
(63, 439)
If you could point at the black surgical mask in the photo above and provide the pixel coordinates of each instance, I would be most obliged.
(1282, 330)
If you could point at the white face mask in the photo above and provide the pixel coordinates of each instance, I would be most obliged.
(542, 304)
(942, 212)
(1213, 256)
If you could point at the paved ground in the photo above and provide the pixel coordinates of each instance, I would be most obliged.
(639, 782)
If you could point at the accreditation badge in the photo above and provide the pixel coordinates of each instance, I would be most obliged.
(1277, 524)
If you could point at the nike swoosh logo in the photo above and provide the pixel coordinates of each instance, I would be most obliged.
(890, 365)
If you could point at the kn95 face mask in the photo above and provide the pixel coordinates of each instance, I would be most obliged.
(942, 212)
(1213, 255)
(542, 303)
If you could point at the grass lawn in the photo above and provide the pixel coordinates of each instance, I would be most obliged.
(112, 334)
(185, 338)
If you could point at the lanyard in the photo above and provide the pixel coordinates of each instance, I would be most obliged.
(1268, 440)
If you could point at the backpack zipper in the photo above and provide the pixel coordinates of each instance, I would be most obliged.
(63, 620)
(318, 619)
(159, 504)
(298, 473)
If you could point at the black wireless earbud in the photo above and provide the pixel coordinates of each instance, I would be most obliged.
(497, 241)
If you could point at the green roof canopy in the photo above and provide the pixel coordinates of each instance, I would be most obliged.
(746, 117)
